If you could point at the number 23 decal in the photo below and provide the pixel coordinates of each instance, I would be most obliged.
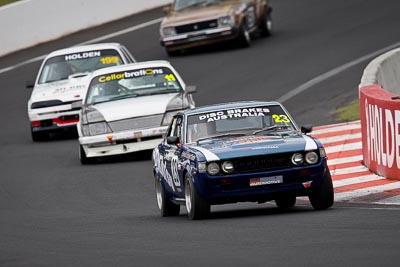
(280, 118)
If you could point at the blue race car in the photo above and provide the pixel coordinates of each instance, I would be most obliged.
(236, 152)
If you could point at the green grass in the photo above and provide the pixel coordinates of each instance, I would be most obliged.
(350, 112)
(5, 2)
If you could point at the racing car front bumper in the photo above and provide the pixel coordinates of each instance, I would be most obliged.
(298, 181)
(122, 142)
(51, 119)
(193, 39)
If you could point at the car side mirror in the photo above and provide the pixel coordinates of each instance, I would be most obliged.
(29, 84)
(77, 104)
(167, 9)
(306, 129)
(190, 89)
(172, 140)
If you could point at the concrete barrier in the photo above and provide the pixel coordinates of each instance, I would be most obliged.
(384, 70)
(380, 115)
(30, 22)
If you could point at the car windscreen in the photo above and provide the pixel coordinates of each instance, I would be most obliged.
(182, 4)
(62, 67)
(132, 83)
(246, 121)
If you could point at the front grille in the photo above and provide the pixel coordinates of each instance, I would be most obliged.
(263, 163)
(50, 103)
(136, 140)
(74, 117)
(198, 26)
(137, 123)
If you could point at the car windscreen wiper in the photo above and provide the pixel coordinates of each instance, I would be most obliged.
(115, 98)
(220, 135)
(78, 75)
(56, 80)
(167, 91)
(123, 97)
(272, 128)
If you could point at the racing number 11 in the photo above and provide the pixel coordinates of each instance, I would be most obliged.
(170, 77)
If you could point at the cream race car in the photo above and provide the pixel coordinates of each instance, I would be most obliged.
(62, 80)
(128, 108)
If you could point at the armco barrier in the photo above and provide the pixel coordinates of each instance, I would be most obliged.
(380, 114)
(30, 22)
(380, 124)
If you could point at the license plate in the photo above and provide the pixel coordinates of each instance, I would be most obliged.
(266, 180)
(197, 38)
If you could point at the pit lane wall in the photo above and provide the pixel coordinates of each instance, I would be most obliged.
(380, 115)
(30, 22)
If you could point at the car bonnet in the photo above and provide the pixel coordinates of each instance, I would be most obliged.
(65, 90)
(246, 146)
(134, 107)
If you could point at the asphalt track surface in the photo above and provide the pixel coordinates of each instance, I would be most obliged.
(55, 212)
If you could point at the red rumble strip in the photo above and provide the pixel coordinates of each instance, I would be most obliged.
(351, 179)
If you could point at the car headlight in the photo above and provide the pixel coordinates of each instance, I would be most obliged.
(225, 21)
(213, 168)
(93, 115)
(85, 130)
(99, 128)
(297, 159)
(311, 157)
(227, 167)
(168, 31)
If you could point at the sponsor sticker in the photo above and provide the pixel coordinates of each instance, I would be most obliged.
(188, 155)
(266, 180)
(233, 113)
(253, 140)
(132, 74)
(265, 147)
(82, 55)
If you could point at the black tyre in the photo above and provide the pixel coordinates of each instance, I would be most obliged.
(322, 197)
(197, 208)
(244, 38)
(39, 136)
(266, 25)
(286, 202)
(83, 158)
(165, 206)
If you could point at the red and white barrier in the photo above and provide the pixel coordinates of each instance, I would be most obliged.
(380, 114)
(352, 181)
(380, 124)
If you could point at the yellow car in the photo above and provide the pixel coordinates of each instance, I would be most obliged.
(190, 23)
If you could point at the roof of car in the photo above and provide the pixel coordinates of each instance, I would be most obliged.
(84, 48)
(132, 66)
(231, 105)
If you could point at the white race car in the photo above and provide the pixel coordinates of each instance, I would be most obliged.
(62, 80)
(128, 108)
